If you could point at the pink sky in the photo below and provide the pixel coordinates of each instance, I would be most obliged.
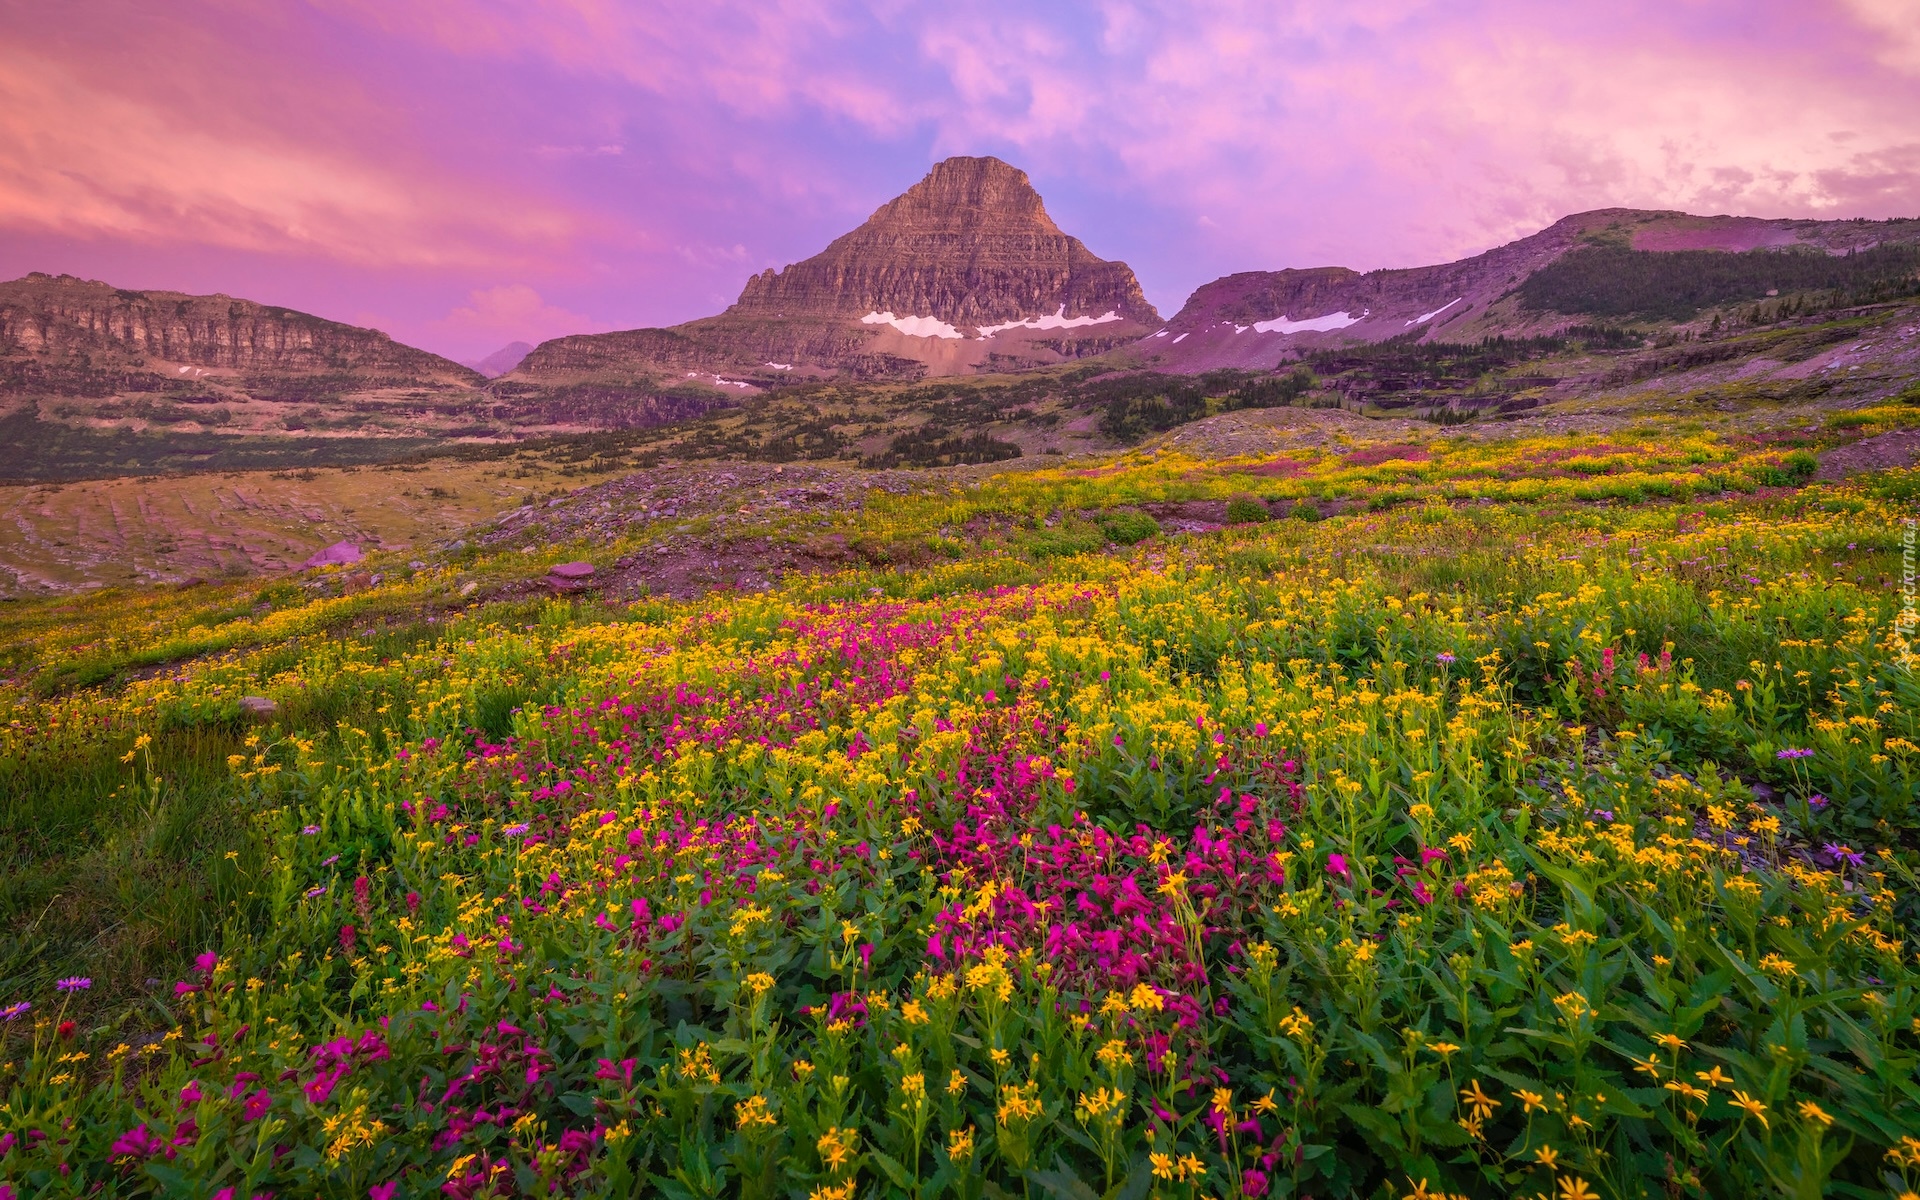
(464, 173)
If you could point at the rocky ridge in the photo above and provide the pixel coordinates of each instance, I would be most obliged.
(1252, 318)
(57, 316)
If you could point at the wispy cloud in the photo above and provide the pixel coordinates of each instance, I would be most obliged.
(89, 157)
(494, 316)
(629, 162)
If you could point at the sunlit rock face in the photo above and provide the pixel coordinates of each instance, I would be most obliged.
(970, 246)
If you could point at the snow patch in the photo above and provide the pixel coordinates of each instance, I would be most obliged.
(1326, 324)
(781, 366)
(1423, 318)
(913, 326)
(1054, 320)
(1162, 333)
(1183, 337)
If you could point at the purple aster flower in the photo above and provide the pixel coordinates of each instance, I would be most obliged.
(514, 830)
(330, 861)
(1444, 658)
(1816, 801)
(1605, 814)
(74, 983)
(317, 892)
(14, 1012)
(1792, 753)
(311, 830)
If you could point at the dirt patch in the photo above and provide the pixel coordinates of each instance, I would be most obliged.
(1188, 516)
(689, 568)
(686, 570)
(1885, 452)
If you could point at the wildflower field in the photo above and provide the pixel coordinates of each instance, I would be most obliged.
(1542, 824)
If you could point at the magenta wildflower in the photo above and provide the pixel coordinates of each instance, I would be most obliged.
(1337, 865)
(514, 830)
(14, 1012)
(74, 983)
(140, 1142)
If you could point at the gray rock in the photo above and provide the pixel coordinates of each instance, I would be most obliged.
(571, 570)
(259, 706)
(339, 554)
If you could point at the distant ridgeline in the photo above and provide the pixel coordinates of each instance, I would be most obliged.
(1673, 285)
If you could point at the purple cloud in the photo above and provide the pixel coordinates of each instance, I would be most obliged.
(476, 171)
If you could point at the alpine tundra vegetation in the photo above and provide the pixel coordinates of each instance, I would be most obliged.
(1529, 817)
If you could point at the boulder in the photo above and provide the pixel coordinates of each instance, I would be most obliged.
(259, 706)
(571, 570)
(339, 554)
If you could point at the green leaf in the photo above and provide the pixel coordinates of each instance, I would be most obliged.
(1062, 1183)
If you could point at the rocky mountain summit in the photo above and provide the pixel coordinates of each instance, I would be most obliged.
(970, 246)
(963, 272)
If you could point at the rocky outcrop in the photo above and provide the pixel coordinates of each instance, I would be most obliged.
(53, 316)
(714, 344)
(971, 244)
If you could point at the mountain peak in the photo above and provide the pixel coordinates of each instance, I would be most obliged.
(970, 245)
(505, 359)
(961, 195)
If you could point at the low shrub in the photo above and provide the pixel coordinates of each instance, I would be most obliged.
(1246, 510)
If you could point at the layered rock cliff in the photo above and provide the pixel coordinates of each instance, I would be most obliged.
(54, 316)
(971, 245)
